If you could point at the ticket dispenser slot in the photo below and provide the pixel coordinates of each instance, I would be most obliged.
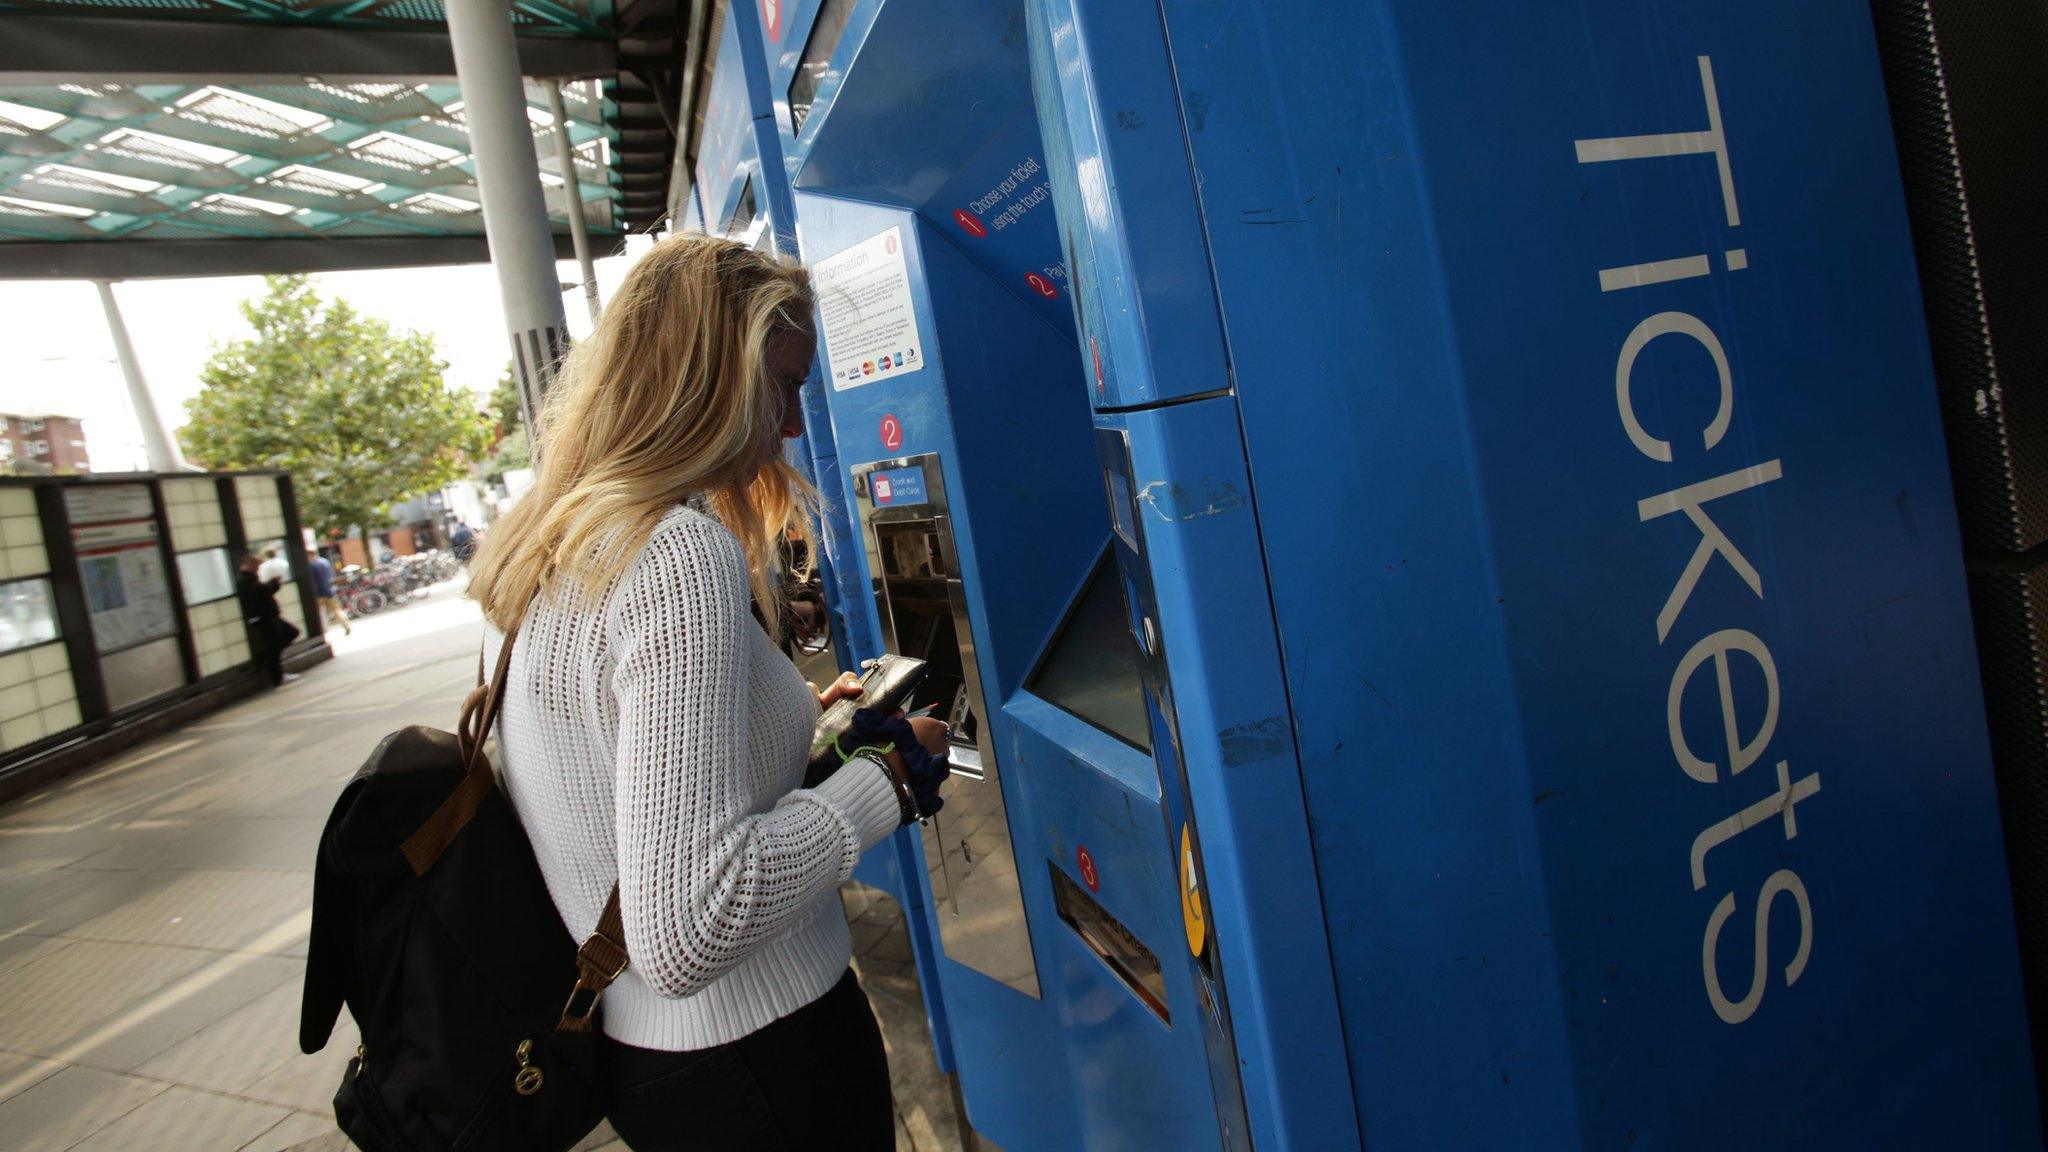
(914, 563)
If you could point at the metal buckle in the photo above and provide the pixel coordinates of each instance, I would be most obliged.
(613, 955)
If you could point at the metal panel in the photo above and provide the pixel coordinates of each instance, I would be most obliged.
(971, 863)
(1508, 509)
(1132, 233)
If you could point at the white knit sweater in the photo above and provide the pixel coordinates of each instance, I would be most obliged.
(656, 737)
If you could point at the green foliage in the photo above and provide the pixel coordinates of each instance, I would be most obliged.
(505, 415)
(512, 452)
(358, 413)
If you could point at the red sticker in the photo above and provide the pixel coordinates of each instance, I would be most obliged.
(771, 20)
(1042, 286)
(1088, 873)
(892, 432)
(1096, 353)
(969, 222)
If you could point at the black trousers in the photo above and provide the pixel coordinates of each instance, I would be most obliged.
(271, 637)
(817, 1079)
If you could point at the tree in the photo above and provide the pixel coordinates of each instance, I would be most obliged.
(512, 452)
(506, 417)
(358, 413)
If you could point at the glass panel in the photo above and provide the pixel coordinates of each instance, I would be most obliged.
(27, 614)
(826, 30)
(206, 575)
(743, 212)
(1092, 668)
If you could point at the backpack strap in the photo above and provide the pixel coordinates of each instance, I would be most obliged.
(479, 713)
(601, 958)
(598, 962)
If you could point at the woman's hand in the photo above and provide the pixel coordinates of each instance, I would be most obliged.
(929, 732)
(847, 687)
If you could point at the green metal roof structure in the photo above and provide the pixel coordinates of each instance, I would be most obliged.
(202, 137)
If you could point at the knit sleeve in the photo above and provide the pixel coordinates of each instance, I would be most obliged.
(703, 881)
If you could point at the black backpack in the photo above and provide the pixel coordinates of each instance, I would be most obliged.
(431, 920)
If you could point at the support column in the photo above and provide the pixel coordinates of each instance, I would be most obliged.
(772, 190)
(156, 439)
(572, 197)
(508, 180)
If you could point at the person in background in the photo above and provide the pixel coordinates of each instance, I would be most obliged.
(462, 542)
(275, 569)
(268, 630)
(323, 589)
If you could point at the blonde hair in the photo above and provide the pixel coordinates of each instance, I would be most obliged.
(669, 398)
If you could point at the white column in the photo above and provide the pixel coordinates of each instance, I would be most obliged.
(163, 450)
(508, 178)
(572, 197)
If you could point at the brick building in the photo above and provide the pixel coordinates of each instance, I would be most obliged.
(41, 443)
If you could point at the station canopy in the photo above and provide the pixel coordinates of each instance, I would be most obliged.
(205, 137)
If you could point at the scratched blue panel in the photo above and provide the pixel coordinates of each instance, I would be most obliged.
(1138, 1082)
(1483, 700)
(931, 82)
(1112, 125)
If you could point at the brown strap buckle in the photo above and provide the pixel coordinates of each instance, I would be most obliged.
(581, 1004)
(603, 956)
(600, 960)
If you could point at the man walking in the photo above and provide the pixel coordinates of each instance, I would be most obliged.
(323, 590)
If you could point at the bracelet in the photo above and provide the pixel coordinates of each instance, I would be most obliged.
(906, 801)
(879, 749)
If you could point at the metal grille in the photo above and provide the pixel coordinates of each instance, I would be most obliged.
(58, 186)
(130, 146)
(1968, 84)
(396, 153)
(187, 141)
(241, 116)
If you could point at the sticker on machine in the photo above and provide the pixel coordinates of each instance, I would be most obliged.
(870, 318)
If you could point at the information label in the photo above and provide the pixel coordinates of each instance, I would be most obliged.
(870, 319)
(899, 486)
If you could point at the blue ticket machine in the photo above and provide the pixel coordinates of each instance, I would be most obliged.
(1430, 524)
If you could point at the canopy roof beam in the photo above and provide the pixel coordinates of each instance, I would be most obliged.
(44, 50)
(148, 259)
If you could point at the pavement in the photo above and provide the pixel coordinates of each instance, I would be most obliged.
(154, 913)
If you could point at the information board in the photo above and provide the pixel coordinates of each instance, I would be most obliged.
(120, 565)
(869, 316)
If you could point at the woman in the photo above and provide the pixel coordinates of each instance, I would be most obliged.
(652, 734)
